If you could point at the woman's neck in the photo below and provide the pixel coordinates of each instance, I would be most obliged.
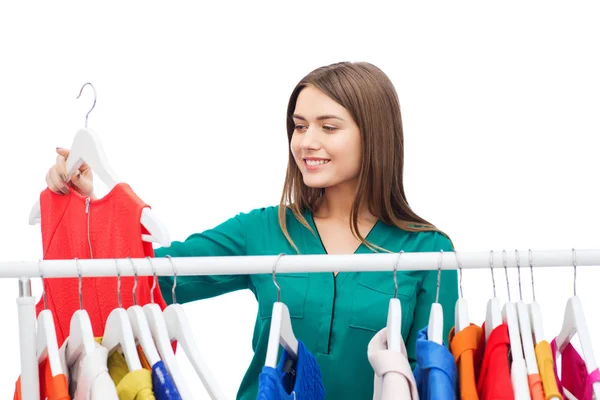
(336, 203)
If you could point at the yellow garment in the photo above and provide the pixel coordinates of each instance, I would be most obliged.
(545, 362)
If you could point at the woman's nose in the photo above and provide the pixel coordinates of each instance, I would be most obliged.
(310, 140)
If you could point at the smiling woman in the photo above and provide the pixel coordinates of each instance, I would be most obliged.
(343, 194)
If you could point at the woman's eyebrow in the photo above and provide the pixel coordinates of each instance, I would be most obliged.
(319, 118)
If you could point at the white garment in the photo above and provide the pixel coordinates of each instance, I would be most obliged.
(394, 378)
(89, 378)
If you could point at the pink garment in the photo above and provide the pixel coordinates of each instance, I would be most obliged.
(575, 377)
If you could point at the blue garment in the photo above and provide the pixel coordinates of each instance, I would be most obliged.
(162, 383)
(299, 380)
(435, 373)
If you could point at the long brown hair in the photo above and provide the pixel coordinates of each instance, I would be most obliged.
(369, 95)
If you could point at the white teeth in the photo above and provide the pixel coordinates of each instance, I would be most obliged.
(313, 163)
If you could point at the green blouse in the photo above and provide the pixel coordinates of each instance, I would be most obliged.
(334, 316)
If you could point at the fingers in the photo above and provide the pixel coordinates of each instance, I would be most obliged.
(65, 153)
(55, 181)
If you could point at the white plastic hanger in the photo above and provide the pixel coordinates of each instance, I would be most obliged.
(493, 312)
(160, 334)
(179, 329)
(574, 323)
(87, 148)
(281, 332)
(535, 312)
(118, 334)
(46, 343)
(525, 327)
(394, 317)
(518, 369)
(81, 336)
(139, 325)
(435, 328)
(461, 310)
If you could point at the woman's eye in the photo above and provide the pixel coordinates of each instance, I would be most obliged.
(299, 127)
(329, 128)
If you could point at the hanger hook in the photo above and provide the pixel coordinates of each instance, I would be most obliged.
(153, 279)
(506, 272)
(80, 283)
(518, 260)
(118, 283)
(492, 269)
(93, 105)
(395, 269)
(574, 272)
(439, 276)
(43, 286)
(275, 279)
(173, 294)
(459, 273)
(530, 253)
(135, 281)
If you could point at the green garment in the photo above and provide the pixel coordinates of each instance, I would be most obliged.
(335, 317)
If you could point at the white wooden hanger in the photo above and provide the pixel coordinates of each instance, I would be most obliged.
(394, 317)
(493, 313)
(118, 334)
(87, 148)
(179, 329)
(461, 310)
(81, 336)
(160, 334)
(525, 327)
(281, 332)
(435, 328)
(139, 326)
(518, 369)
(574, 323)
(46, 343)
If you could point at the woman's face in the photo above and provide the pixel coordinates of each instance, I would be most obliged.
(326, 141)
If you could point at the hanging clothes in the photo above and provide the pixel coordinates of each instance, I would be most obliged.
(113, 226)
(51, 387)
(494, 381)
(162, 383)
(536, 390)
(435, 372)
(335, 316)
(292, 379)
(394, 378)
(463, 346)
(574, 375)
(88, 377)
(131, 385)
(545, 362)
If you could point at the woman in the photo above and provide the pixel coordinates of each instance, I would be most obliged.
(343, 194)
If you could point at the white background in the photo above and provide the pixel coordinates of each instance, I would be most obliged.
(500, 108)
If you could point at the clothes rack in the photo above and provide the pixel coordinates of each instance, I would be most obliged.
(235, 265)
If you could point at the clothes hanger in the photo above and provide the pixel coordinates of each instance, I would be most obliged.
(525, 327)
(87, 147)
(139, 325)
(518, 368)
(493, 313)
(461, 310)
(81, 336)
(281, 332)
(46, 343)
(179, 329)
(118, 334)
(435, 328)
(535, 312)
(394, 317)
(160, 334)
(574, 323)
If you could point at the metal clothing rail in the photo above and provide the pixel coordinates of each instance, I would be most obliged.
(235, 265)
(238, 265)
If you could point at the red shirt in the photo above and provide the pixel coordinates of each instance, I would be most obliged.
(493, 380)
(115, 232)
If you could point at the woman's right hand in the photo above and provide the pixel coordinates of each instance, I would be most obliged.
(81, 181)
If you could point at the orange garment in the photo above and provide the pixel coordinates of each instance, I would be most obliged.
(51, 387)
(463, 346)
(535, 387)
(115, 231)
(143, 359)
(545, 362)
